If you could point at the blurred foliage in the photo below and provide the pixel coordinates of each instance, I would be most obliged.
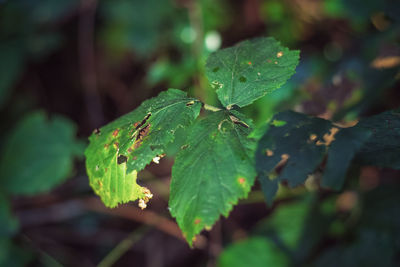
(348, 71)
(53, 146)
(253, 252)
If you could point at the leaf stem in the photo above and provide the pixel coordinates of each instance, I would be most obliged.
(211, 108)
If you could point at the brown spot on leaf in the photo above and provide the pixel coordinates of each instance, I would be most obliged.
(142, 133)
(197, 221)
(279, 54)
(329, 137)
(106, 146)
(241, 180)
(140, 124)
(313, 137)
(269, 60)
(134, 158)
(184, 147)
(96, 131)
(284, 159)
(116, 145)
(249, 63)
(115, 133)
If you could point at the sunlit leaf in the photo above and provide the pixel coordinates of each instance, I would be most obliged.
(125, 146)
(249, 70)
(212, 172)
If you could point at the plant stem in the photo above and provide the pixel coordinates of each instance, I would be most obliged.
(116, 253)
(211, 108)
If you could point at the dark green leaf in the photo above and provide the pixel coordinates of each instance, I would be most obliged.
(12, 255)
(125, 146)
(136, 25)
(297, 138)
(213, 170)
(383, 147)
(288, 222)
(249, 70)
(347, 143)
(38, 154)
(254, 252)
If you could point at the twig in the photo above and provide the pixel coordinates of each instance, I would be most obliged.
(123, 247)
(143, 216)
(211, 108)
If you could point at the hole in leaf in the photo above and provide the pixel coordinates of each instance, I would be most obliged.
(121, 159)
(115, 133)
(190, 103)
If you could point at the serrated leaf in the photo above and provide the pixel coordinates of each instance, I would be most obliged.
(125, 146)
(255, 252)
(293, 138)
(249, 70)
(383, 147)
(38, 154)
(213, 170)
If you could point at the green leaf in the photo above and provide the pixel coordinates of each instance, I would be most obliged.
(294, 137)
(255, 252)
(383, 147)
(8, 222)
(347, 143)
(38, 154)
(12, 255)
(213, 170)
(125, 146)
(136, 25)
(251, 69)
(287, 221)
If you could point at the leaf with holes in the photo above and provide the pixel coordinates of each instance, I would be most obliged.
(120, 149)
(295, 142)
(249, 70)
(212, 171)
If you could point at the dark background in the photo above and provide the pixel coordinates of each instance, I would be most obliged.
(93, 61)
